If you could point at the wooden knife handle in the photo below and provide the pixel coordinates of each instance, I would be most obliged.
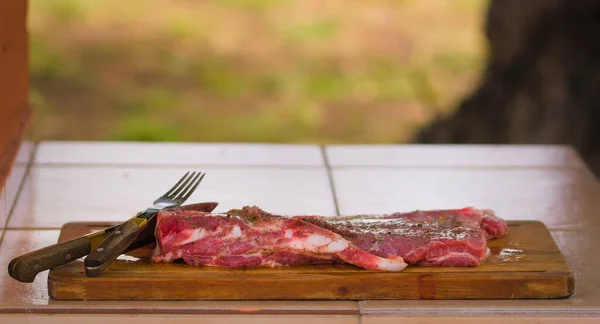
(113, 246)
(24, 268)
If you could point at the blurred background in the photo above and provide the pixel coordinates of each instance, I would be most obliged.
(336, 71)
(313, 71)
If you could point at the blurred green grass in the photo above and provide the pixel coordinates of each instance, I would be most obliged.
(351, 71)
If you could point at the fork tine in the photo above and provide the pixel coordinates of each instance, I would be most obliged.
(183, 185)
(185, 188)
(185, 195)
(176, 185)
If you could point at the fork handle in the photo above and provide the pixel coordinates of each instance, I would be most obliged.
(113, 246)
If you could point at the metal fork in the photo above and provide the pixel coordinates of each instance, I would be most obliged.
(180, 192)
(139, 230)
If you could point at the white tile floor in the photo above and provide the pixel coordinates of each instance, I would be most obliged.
(15, 243)
(55, 195)
(179, 319)
(561, 198)
(173, 154)
(4, 210)
(109, 181)
(453, 156)
(13, 183)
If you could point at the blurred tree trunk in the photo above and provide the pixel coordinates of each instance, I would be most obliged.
(542, 81)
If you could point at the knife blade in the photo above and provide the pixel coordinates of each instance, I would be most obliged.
(26, 267)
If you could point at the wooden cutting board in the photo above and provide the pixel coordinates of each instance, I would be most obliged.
(524, 264)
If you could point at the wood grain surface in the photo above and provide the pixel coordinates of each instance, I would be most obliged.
(524, 264)
(15, 111)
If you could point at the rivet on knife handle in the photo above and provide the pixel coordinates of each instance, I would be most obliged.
(113, 246)
(26, 267)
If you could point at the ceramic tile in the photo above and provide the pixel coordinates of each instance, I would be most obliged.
(251, 307)
(177, 319)
(13, 183)
(52, 196)
(579, 249)
(561, 198)
(9, 192)
(133, 153)
(14, 244)
(25, 152)
(17, 297)
(453, 155)
(3, 209)
(478, 319)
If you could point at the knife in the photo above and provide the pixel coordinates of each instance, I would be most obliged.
(26, 267)
(137, 229)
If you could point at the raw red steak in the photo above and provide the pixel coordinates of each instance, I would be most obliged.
(251, 237)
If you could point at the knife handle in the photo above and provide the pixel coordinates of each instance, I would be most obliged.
(24, 268)
(113, 246)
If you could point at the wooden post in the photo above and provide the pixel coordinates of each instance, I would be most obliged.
(15, 112)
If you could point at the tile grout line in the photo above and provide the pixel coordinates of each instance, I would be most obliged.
(460, 167)
(331, 183)
(360, 312)
(158, 311)
(20, 189)
(464, 312)
(3, 230)
(305, 166)
(14, 203)
(175, 166)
